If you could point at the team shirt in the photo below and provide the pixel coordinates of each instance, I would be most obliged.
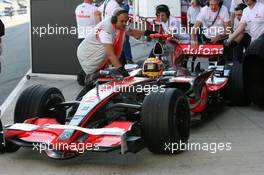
(106, 37)
(91, 53)
(108, 9)
(254, 20)
(193, 13)
(85, 18)
(173, 26)
(234, 4)
(207, 16)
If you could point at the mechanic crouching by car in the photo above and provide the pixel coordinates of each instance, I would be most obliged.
(246, 39)
(215, 23)
(104, 45)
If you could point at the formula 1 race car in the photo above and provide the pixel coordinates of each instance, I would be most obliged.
(106, 119)
(152, 108)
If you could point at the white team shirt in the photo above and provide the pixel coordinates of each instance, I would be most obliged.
(91, 53)
(172, 23)
(106, 38)
(108, 9)
(254, 20)
(85, 18)
(207, 16)
(234, 4)
(131, 10)
(173, 26)
(193, 13)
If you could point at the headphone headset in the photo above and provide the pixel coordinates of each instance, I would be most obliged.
(116, 14)
(220, 3)
(163, 8)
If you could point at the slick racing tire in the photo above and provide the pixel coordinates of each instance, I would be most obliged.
(253, 74)
(165, 121)
(36, 101)
(235, 89)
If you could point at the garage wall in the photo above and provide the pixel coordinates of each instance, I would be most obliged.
(54, 53)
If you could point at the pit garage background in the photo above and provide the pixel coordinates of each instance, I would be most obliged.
(55, 51)
(54, 54)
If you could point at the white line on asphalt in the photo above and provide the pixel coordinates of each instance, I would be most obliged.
(13, 94)
(52, 76)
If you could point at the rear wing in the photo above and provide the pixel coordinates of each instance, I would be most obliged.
(203, 50)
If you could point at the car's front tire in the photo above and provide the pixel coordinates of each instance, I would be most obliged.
(165, 120)
(36, 101)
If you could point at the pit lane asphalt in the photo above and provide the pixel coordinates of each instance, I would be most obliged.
(16, 54)
(243, 127)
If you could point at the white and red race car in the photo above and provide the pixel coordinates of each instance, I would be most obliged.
(151, 108)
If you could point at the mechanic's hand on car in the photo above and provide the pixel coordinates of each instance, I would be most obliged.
(230, 44)
(149, 32)
(91, 78)
(123, 72)
(214, 40)
(226, 43)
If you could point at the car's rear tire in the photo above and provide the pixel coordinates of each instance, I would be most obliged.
(165, 120)
(253, 65)
(254, 81)
(235, 89)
